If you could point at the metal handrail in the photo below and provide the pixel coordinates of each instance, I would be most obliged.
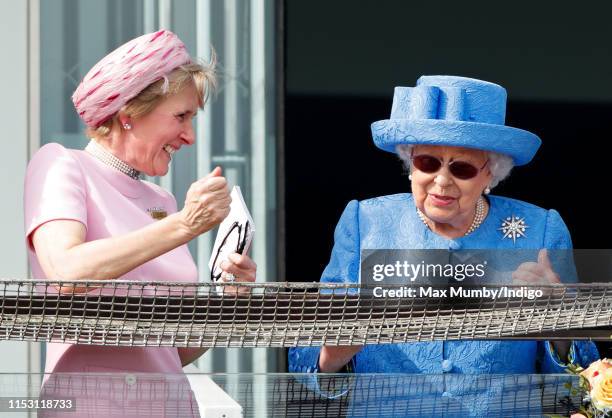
(286, 314)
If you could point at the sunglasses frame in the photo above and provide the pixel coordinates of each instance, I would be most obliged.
(239, 245)
(450, 164)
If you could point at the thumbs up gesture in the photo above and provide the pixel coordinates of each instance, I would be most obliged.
(536, 273)
(207, 203)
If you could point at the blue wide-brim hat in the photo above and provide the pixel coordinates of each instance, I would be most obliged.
(454, 111)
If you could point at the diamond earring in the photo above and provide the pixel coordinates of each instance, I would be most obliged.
(127, 126)
(487, 190)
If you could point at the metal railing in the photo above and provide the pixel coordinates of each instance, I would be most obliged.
(293, 395)
(288, 314)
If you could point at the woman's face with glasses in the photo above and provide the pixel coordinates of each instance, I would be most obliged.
(447, 182)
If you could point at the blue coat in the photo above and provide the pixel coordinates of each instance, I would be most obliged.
(391, 222)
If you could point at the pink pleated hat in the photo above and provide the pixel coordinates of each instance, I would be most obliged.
(125, 72)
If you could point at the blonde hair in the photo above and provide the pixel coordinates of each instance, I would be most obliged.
(201, 75)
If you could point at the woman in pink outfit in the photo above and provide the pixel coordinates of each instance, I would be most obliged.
(90, 216)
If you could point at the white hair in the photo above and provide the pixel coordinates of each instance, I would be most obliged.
(499, 164)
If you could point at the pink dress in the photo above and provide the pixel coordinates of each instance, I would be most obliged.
(71, 184)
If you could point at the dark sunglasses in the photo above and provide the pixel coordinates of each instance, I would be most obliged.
(459, 169)
(233, 242)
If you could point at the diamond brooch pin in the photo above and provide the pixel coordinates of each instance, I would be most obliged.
(513, 227)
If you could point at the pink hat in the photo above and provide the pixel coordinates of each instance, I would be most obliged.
(125, 72)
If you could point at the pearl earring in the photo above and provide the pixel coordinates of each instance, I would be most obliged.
(127, 126)
(487, 190)
(409, 176)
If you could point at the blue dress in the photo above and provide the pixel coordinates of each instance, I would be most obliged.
(391, 222)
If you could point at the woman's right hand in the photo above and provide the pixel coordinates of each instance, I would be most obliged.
(207, 203)
(333, 358)
(64, 253)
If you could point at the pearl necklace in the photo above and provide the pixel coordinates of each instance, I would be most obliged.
(96, 150)
(478, 217)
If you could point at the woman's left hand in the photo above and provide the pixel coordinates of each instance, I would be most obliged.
(536, 273)
(238, 268)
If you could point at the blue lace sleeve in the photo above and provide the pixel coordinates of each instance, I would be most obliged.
(581, 353)
(343, 267)
(557, 238)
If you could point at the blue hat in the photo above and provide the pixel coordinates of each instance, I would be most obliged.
(454, 111)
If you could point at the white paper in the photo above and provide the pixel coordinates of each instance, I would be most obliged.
(240, 223)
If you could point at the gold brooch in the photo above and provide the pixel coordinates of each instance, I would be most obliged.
(157, 213)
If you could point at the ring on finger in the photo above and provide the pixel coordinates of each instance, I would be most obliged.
(229, 277)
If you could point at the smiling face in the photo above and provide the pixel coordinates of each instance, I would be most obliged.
(449, 202)
(148, 145)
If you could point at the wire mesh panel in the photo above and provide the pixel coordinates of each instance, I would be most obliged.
(119, 395)
(402, 395)
(294, 395)
(288, 314)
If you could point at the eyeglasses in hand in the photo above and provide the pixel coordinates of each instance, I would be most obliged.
(234, 241)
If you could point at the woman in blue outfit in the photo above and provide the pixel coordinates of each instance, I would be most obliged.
(451, 134)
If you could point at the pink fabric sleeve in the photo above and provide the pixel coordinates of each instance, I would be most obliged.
(54, 189)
